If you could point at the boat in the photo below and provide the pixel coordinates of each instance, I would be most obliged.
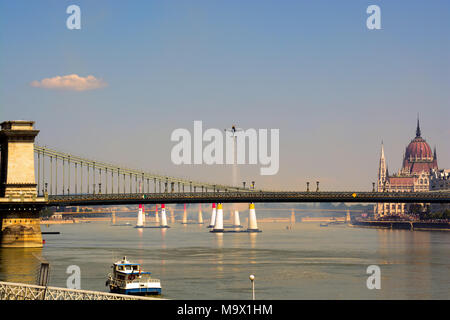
(129, 278)
(126, 224)
(324, 224)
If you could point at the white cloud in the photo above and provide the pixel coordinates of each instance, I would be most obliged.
(70, 82)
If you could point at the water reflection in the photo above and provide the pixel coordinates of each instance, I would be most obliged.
(163, 247)
(19, 264)
(219, 239)
(253, 236)
(163, 237)
(219, 255)
(140, 243)
(172, 215)
(406, 256)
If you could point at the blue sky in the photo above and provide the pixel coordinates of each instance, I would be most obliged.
(310, 68)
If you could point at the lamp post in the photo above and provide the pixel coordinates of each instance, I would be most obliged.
(252, 279)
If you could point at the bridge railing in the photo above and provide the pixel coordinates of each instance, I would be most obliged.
(22, 291)
(261, 196)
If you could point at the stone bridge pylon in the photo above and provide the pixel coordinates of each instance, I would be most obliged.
(19, 204)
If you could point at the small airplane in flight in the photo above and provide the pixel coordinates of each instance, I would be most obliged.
(234, 129)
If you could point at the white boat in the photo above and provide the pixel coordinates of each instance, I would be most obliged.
(129, 278)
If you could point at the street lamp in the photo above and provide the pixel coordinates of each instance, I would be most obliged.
(252, 279)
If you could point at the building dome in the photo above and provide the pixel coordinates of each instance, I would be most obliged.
(418, 156)
(418, 149)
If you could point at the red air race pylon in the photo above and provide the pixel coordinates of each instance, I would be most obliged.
(213, 216)
(163, 217)
(140, 220)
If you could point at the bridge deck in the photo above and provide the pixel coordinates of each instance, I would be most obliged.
(246, 197)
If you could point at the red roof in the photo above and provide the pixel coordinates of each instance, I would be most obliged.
(401, 181)
(418, 149)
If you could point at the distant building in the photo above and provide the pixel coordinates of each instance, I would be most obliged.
(418, 163)
(440, 180)
(56, 216)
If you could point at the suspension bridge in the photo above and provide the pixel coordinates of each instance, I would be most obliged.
(33, 177)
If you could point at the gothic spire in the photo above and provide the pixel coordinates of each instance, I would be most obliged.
(418, 133)
(382, 167)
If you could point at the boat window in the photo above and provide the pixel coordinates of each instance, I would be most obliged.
(128, 267)
(120, 268)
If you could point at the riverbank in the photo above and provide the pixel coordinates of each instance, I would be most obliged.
(403, 225)
(82, 220)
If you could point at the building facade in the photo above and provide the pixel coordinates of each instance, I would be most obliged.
(440, 180)
(418, 164)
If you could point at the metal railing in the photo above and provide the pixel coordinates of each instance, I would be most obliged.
(169, 183)
(21, 291)
(260, 196)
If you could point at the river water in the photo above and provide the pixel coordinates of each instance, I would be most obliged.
(304, 262)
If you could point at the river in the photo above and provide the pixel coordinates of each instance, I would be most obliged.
(304, 262)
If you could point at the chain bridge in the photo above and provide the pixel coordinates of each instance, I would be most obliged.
(33, 177)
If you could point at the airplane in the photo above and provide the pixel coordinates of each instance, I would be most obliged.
(234, 129)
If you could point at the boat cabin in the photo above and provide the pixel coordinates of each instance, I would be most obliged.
(125, 270)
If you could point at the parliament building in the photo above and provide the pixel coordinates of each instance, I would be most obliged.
(419, 166)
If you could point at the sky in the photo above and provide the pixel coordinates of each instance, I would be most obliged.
(311, 69)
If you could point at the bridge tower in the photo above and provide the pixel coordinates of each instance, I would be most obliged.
(19, 204)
